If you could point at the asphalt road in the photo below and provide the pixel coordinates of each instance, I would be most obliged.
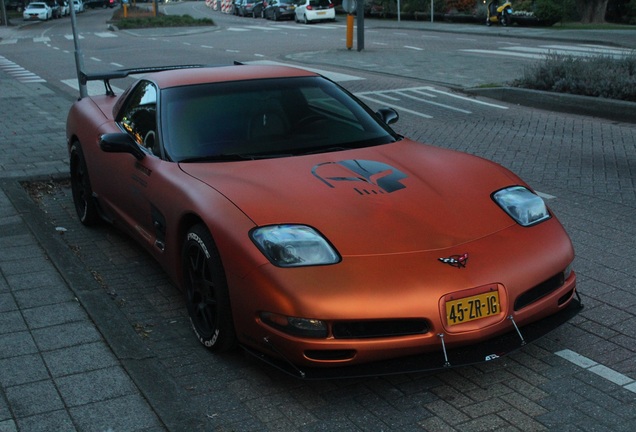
(94, 336)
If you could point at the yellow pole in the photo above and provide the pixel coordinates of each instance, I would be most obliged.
(125, 10)
(349, 31)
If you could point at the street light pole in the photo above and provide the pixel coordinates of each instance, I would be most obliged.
(79, 57)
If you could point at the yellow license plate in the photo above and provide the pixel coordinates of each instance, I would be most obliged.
(472, 308)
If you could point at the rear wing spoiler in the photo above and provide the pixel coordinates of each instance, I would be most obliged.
(85, 77)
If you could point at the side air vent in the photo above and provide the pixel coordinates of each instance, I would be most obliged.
(539, 291)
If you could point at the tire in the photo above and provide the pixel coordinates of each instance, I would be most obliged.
(207, 298)
(85, 205)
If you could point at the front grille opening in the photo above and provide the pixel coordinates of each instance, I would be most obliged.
(330, 354)
(379, 329)
(539, 291)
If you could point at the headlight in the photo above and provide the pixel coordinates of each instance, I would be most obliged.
(525, 207)
(294, 246)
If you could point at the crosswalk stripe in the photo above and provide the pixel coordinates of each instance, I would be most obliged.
(93, 88)
(399, 108)
(571, 51)
(253, 27)
(18, 72)
(334, 76)
(505, 53)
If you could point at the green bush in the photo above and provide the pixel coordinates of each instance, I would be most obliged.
(599, 76)
(630, 12)
(548, 11)
(162, 21)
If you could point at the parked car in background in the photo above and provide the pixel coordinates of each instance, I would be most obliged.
(78, 5)
(37, 11)
(56, 10)
(236, 6)
(279, 9)
(250, 8)
(65, 8)
(308, 11)
(259, 7)
(100, 4)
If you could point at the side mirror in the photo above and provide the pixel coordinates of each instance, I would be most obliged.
(120, 143)
(388, 115)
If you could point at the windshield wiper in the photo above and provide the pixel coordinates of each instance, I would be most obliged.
(216, 158)
(233, 157)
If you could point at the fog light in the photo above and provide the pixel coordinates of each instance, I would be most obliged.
(305, 327)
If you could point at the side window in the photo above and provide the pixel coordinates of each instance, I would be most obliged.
(139, 116)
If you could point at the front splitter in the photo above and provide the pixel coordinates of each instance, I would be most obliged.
(483, 351)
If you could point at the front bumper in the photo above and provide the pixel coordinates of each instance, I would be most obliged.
(480, 352)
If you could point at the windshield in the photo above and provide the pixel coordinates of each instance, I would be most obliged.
(265, 118)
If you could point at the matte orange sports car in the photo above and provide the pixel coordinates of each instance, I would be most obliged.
(301, 227)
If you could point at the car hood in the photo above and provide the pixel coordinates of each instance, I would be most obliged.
(395, 198)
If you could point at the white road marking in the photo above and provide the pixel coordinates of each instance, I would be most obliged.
(505, 53)
(105, 34)
(18, 72)
(603, 371)
(402, 93)
(597, 49)
(264, 28)
(399, 108)
(93, 88)
(545, 196)
(456, 96)
(334, 76)
(542, 51)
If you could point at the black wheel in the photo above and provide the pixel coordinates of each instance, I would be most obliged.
(85, 205)
(207, 297)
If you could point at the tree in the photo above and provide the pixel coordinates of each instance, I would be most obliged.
(592, 11)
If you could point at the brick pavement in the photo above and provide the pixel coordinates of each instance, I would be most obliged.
(93, 337)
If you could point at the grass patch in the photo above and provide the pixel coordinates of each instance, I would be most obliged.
(581, 26)
(599, 76)
(140, 17)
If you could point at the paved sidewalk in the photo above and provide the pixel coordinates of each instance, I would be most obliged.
(59, 371)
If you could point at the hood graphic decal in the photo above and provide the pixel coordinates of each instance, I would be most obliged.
(377, 177)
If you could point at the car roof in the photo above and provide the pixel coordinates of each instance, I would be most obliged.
(203, 75)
